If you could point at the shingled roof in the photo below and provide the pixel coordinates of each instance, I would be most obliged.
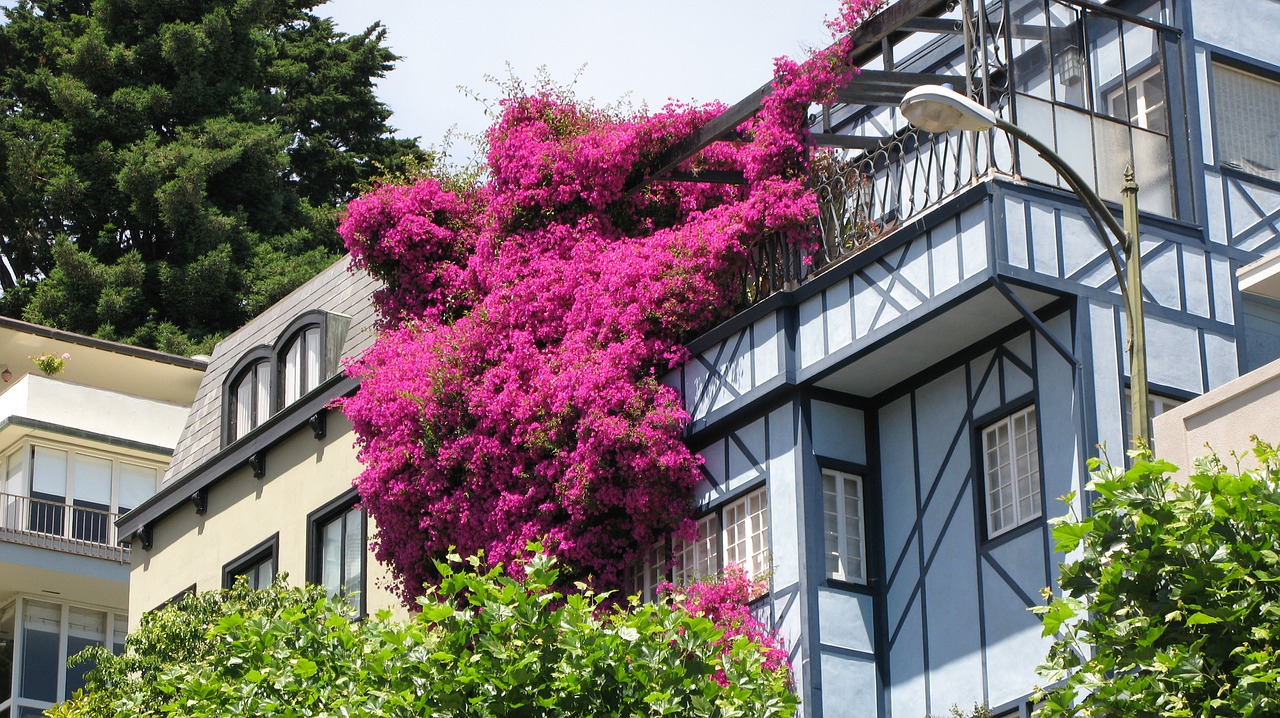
(336, 290)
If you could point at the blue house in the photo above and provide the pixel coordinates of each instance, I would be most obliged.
(888, 428)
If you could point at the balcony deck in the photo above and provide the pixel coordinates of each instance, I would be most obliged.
(54, 525)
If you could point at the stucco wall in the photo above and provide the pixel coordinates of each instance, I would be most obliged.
(1222, 420)
(302, 474)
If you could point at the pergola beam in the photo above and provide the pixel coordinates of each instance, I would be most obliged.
(892, 19)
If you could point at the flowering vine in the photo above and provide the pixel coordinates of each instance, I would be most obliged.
(514, 393)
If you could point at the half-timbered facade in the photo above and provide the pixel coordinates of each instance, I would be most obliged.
(902, 413)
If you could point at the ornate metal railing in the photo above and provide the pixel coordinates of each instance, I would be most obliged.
(864, 196)
(81, 530)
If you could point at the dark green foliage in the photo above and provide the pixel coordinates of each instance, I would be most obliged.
(170, 168)
(483, 646)
(1175, 596)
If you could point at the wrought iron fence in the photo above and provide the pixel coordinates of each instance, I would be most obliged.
(864, 196)
(81, 530)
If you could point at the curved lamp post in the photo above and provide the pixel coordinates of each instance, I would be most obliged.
(938, 109)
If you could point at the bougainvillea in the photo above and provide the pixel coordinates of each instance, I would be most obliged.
(725, 600)
(514, 393)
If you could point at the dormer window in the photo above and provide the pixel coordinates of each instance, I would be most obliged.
(271, 378)
(250, 398)
(300, 364)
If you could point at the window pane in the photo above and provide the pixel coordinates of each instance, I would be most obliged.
(92, 480)
(353, 552)
(244, 407)
(1245, 107)
(86, 628)
(331, 556)
(50, 475)
(262, 407)
(137, 484)
(311, 379)
(293, 372)
(41, 633)
(7, 636)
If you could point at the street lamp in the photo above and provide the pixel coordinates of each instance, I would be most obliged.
(938, 109)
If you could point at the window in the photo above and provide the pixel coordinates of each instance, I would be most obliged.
(1157, 404)
(257, 565)
(842, 518)
(1141, 102)
(650, 572)
(746, 533)
(700, 559)
(36, 639)
(336, 550)
(1245, 106)
(71, 494)
(300, 365)
(1089, 79)
(741, 528)
(1011, 466)
(250, 398)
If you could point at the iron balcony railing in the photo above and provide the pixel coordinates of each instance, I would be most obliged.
(80, 530)
(864, 196)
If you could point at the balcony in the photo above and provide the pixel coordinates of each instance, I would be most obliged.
(1090, 80)
(55, 525)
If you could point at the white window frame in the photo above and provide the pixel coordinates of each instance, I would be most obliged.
(117, 624)
(17, 482)
(1139, 115)
(1015, 474)
(700, 559)
(745, 533)
(649, 572)
(848, 548)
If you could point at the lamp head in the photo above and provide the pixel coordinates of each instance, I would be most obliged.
(937, 109)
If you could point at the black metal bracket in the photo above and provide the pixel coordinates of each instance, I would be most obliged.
(258, 462)
(200, 499)
(319, 423)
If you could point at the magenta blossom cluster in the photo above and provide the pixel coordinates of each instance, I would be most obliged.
(725, 600)
(514, 393)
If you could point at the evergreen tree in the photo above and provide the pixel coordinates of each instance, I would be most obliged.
(170, 168)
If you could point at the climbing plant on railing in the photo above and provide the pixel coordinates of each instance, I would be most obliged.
(514, 392)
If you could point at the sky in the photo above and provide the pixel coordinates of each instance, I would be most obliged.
(646, 51)
(641, 51)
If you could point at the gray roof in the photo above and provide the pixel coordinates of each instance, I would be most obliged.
(336, 290)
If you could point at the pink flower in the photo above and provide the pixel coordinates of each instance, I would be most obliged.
(514, 393)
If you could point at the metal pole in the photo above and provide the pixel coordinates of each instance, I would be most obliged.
(1129, 275)
(1139, 407)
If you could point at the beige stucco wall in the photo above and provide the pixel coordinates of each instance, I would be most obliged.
(1223, 420)
(302, 475)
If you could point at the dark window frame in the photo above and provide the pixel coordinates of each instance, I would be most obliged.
(243, 368)
(979, 427)
(268, 549)
(310, 319)
(316, 521)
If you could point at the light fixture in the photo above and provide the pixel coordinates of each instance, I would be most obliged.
(938, 109)
(1070, 65)
(6, 375)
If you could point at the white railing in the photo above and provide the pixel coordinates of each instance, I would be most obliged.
(80, 530)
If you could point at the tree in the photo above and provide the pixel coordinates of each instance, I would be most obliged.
(515, 390)
(1173, 606)
(483, 644)
(170, 169)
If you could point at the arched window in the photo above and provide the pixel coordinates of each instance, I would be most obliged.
(300, 364)
(250, 398)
